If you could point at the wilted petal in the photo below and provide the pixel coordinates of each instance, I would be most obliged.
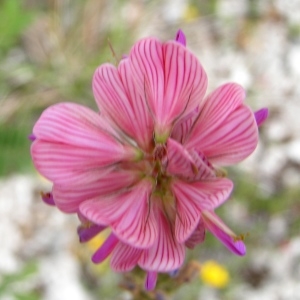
(150, 281)
(194, 197)
(124, 257)
(261, 115)
(128, 214)
(88, 185)
(216, 226)
(70, 137)
(226, 131)
(165, 254)
(197, 237)
(180, 37)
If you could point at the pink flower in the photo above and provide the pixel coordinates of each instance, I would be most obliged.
(146, 166)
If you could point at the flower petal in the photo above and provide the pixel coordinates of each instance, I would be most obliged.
(142, 124)
(106, 249)
(91, 184)
(182, 128)
(72, 137)
(172, 78)
(191, 166)
(226, 131)
(166, 254)
(197, 237)
(180, 37)
(216, 226)
(48, 198)
(192, 198)
(85, 234)
(129, 215)
(124, 257)
(150, 281)
(118, 98)
(185, 81)
(146, 58)
(261, 115)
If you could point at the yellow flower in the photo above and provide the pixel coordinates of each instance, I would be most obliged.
(93, 245)
(190, 13)
(214, 274)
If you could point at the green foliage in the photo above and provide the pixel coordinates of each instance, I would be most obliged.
(9, 283)
(14, 146)
(13, 20)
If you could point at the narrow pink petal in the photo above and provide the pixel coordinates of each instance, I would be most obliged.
(226, 131)
(87, 233)
(150, 281)
(197, 237)
(91, 184)
(166, 254)
(192, 198)
(124, 257)
(106, 249)
(129, 214)
(118, 98)
(261, 115)
(204, 169)
(189, 165)
(179, 160)
(216, 226)
(72, 137)
(182, 128)
(180, 37)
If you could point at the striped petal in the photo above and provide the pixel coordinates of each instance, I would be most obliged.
(128, 214)
(124, 257)
(172, 79)
(194, 197)
(216, 226)
(142, 124)
(72, 137)
(118, 98)
(182, 128)
(92, 184)
(191, 166)
(166, 254)
(226, 131)
(185, 81)
(197, 237)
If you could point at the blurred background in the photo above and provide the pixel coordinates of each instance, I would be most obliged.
(48, 52)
